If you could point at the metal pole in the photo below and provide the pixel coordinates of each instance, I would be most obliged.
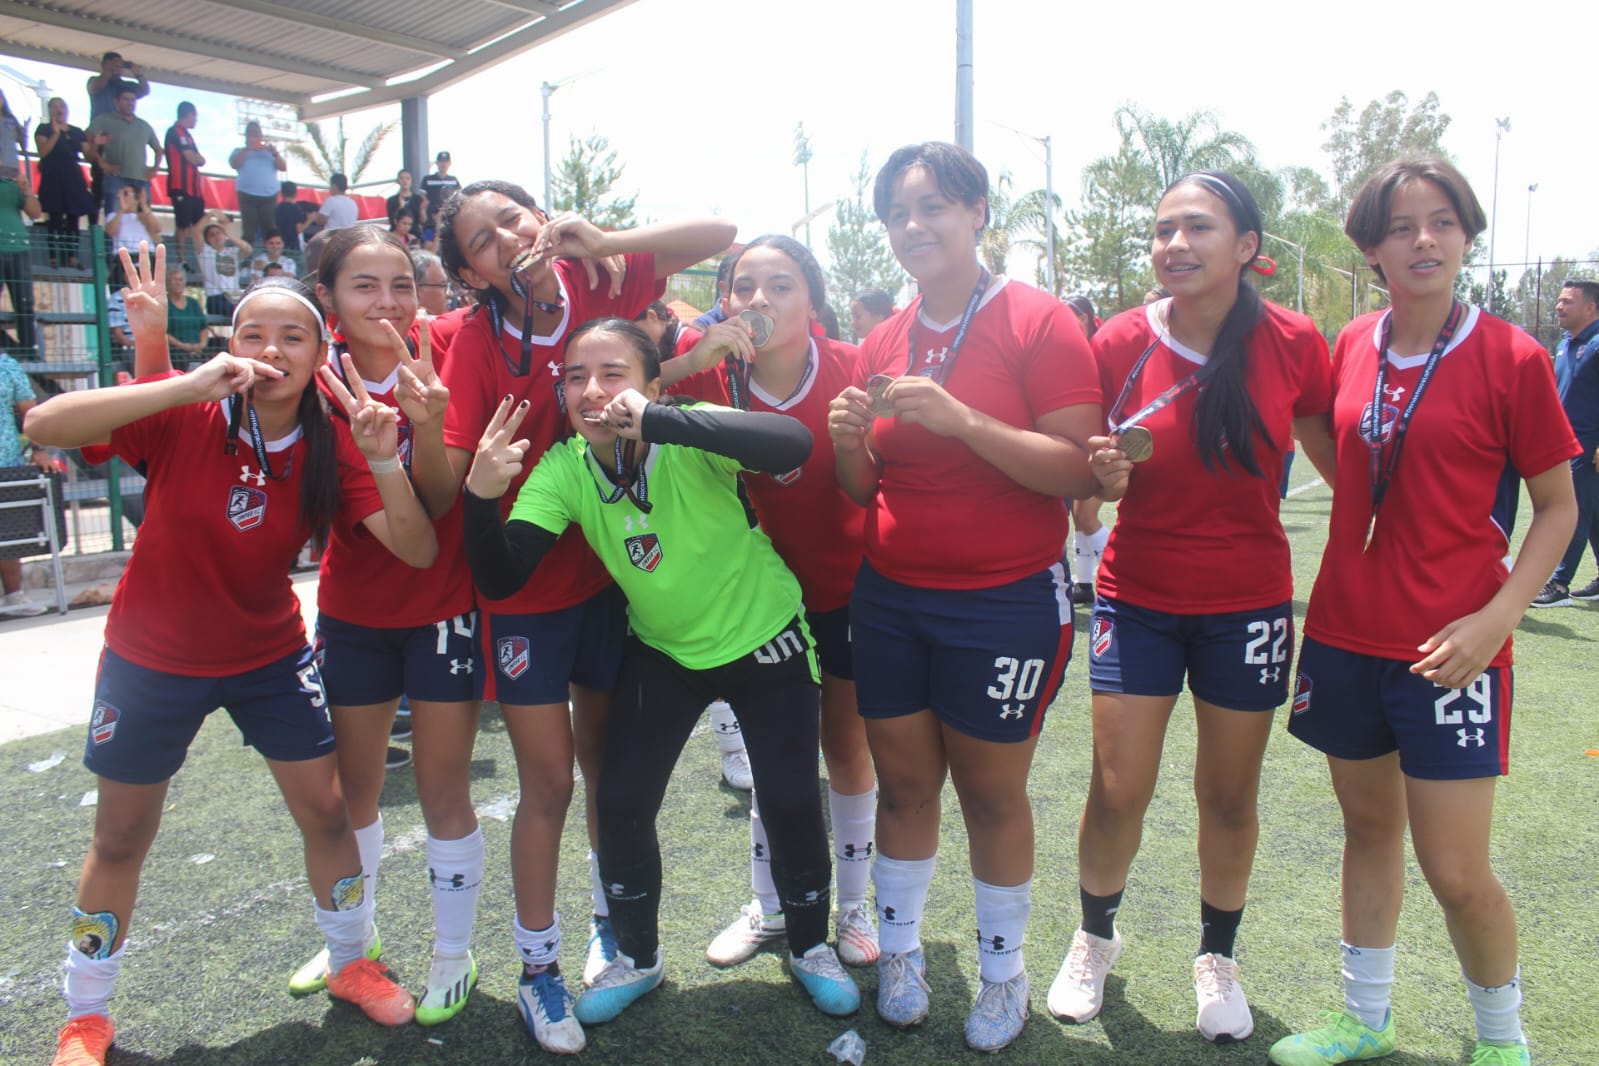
(1501, 127)
(546, 90)
(1049, 213)
(1299, 287)
(963, 73)
(1526, 247)
(806, 170)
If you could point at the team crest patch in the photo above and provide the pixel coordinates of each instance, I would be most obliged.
(246, 507)
(1100, 634)
(514, 656)
(788, 478)
(103, 726)
(1369, 430)
(403, 450)
(644, 551)
(1302, 687)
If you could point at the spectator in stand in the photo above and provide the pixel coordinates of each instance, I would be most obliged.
(288, 218)
(273, 255)
(183, 178)
(117, 141)
(188, 332)
(223, 265)
(15, 201)
(62, 192)
(403, 227)
(258, 164)
(102, 89)
(338, 210)
(432, 283)
(12, 141)
(724, 279)
(438, 187)
(406, 201)
(869, 307)
(16, 397)
(130, 222)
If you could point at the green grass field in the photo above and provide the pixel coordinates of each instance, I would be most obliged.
(213, 942)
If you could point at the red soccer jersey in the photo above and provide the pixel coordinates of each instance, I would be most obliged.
(362, 582)
(943, 517)
(479, 376)
(687, 338)
(1189, 540)
(1489, 417)
(815, 527)
(206, 592)
(443, 328)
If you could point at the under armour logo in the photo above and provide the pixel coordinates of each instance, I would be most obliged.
(812, 896)
(1007, 710)
(627, 522)
(863, 851)
(936, 356)
(1468, 737)
(555, 368)
(996, 942)
(460, 666)
(758, 850)
(888, 914)
(453, 881)
(1393, 392)
(247, 476)
(1270, 674)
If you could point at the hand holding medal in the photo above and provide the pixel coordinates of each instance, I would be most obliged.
(1112, 465)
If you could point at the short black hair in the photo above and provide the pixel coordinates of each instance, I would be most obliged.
(339, 182)
(288, 188)
(958, 173)
(1589, 289)
(186, 108)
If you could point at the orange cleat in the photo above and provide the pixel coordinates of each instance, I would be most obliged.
(367, 984)
(84, 1041)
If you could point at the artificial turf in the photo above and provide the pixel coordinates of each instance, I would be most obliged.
(214, 939)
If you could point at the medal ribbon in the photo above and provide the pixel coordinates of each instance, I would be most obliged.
(257, 443)
(1188, 384)
(635, 486)
(1383, 465)
(738, 381)
(947, 367)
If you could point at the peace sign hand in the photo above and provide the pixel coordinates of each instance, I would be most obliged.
(145, 296)
(499, 457)
(374, 425)
(420, 394)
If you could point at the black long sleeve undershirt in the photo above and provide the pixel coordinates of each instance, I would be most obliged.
(503, 555)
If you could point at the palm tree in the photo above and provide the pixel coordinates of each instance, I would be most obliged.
(1013, 220)
(331, 154)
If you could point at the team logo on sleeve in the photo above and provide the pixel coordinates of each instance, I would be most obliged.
(103, 726)
(514, 656)
(1302, 687)
(644, 551)
(1100, 634)
(1370, 430)
(246, 507)
(788, 478)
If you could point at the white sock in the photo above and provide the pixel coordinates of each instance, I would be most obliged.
(1086, 550)
(1002, 913)
(538, 947)
(89, 982)
(346, 932)
(369, 842)
(602, 906)
(1498, 1010)
(1368, 983)
(455, 872)
(761, 882)
(901, 894)
(729, 737)
(854, 826)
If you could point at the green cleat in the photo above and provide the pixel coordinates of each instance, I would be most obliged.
(313, 976)
(1495, 1053)
(1345, 1038)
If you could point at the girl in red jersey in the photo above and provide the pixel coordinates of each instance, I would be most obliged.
(961, 435)
(560, 638)
(818, 532)
(1203, 390)
(1404, 680)
(205, 616)
(384, 629)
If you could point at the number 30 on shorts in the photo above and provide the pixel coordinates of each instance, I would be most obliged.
(1261, 632)
(1016, 678)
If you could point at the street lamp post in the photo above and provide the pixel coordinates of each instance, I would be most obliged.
(547, 90)
(1299, 285)
(1526, 248)
(802, 159)
(1501, 127)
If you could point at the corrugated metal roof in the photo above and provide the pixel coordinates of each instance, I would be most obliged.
(325, 57)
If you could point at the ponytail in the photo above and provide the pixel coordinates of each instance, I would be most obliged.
(1226, 422)
(319, 484)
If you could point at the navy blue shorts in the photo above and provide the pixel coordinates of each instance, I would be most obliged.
(537, 655)
(987, 662)
(362, 665)
(830, 633)
(1239, 660)
(1354, 706)
(144, 720)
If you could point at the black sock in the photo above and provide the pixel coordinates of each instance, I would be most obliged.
(1218, 929)
(1099, 912)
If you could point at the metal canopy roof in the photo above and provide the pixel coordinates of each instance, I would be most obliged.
(326, 57)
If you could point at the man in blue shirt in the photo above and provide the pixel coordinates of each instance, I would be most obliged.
(1577, 374)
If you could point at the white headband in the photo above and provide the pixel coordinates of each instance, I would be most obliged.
(279, 290)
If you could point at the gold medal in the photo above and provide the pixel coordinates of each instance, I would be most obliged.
(1137, 443)
(876, 388)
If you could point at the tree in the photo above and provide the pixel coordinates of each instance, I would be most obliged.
(858, 249)
(1173, 148)
(584, 179)
(329, 152)
(1106, 252)
(1384, 130)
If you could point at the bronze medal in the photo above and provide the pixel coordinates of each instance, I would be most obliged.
(1137, 443)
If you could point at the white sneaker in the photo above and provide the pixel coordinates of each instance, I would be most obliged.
(1223, 1011)
(547, 1010)
(17, 605)
(741, 940)
(857, 936)
(450, 980)
(1078, 993)
(736, 770)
